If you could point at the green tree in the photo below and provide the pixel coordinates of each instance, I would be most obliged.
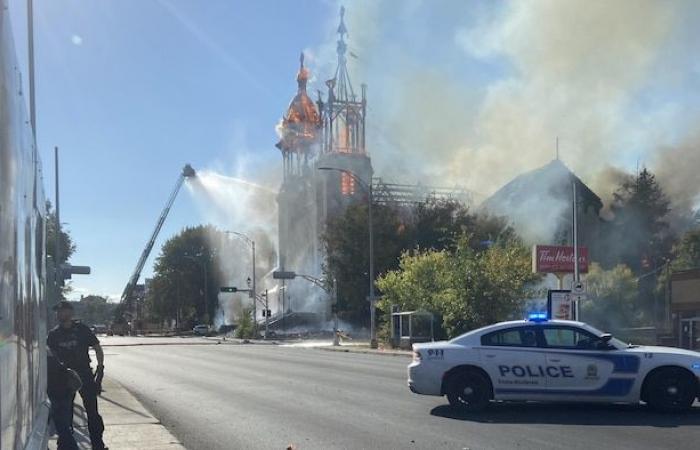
(244, 325)
(685, 255)
(94, 309)
(467, 287)
(611, 303)
(346, 245)
(435, 225)
(687, 251)
(438, 225)
(66, 244)
(639, 236)
(178, 287)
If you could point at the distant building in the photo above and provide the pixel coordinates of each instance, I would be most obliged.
(684, 305)
(326, 134)
(539, 206)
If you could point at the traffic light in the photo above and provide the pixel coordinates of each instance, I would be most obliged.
(68, 270)
(228, 289)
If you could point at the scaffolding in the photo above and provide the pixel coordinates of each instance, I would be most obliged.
(411, 194)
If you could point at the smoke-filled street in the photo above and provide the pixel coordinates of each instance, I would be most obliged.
(268, 397)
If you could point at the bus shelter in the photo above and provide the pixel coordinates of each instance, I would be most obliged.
(409, 327)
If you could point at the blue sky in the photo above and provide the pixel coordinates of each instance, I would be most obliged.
(460, 92)
(129, 94)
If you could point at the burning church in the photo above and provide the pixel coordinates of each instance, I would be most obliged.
(538, 205)
(327, 134)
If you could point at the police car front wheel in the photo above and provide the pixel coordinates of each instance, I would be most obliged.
(671, 389)
(468, 391)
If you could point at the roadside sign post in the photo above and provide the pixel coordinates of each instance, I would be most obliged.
(560, 261)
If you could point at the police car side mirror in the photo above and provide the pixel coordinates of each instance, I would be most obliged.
(604, 342)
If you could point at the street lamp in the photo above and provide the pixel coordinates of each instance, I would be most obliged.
(254, 291)
(197, 259)
(372, 307)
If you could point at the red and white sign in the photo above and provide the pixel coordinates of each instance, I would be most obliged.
(558, 259)
(560, 305)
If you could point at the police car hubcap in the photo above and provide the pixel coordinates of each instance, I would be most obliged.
(468, 391)
(672, 390)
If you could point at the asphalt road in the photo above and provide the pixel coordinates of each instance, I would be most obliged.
(268, 397)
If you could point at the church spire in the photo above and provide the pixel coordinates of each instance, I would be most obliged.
(343, 114)
(303, 75)
(342, 80)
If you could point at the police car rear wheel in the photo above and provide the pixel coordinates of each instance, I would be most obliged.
(468, 391)
(671, 390)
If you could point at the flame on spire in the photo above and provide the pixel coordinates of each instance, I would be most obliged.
(298, 129)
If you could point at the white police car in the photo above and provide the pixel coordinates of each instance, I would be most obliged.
(555, 360)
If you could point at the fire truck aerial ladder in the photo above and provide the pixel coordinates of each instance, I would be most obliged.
(187, 172)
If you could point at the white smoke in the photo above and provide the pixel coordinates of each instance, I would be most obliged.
(236, 205)
(474, 93)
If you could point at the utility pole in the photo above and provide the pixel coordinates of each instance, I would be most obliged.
(370, 199)
(372, 304)
(30, 54)
(336, 338)
(57, 231)
(255, 300)
(206, 292)
(575, 241)
(253, 281)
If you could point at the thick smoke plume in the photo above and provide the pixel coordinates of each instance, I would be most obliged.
(475, 93)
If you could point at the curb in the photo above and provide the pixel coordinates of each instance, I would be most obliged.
(142, 344)
(364, 351)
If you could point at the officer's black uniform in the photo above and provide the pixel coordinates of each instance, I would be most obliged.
(58, 387)
(70, 346)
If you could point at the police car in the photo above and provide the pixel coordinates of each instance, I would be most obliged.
(552, 360)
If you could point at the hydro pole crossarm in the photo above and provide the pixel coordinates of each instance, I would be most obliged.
(187, 172)
(315, 281)
(318, 282)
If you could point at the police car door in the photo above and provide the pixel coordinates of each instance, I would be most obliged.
(580, 369)
(513, 361)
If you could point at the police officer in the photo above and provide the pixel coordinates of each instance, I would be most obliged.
(70, 342)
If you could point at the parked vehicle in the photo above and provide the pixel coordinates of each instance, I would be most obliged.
(201, 330)
(224, 329)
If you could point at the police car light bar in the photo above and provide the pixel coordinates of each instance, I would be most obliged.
(537, 317)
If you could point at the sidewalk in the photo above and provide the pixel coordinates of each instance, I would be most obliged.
(128, 426)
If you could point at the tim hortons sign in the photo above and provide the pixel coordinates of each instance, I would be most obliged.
(558, 259)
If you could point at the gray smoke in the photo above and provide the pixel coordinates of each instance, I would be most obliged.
(678, 171)
(602, 76)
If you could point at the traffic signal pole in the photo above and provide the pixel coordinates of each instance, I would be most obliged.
(575, 242)
(267, 314)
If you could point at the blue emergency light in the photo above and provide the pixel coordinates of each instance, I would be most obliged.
(695, 366)
(537, 317)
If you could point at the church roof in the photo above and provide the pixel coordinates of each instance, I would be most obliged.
(551, 180)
